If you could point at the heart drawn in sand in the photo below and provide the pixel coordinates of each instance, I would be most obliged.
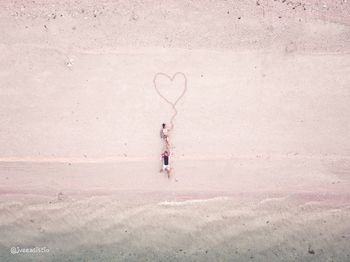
(170, 88)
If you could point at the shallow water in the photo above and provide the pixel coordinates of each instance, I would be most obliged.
(110, 228)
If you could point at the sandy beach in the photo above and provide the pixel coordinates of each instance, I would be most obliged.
(260, 148)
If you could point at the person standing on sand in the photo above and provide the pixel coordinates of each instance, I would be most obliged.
(164, 133)
(166, 164)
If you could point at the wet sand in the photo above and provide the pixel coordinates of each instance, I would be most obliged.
(279, 210)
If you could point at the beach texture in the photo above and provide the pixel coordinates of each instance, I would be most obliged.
(260, 144)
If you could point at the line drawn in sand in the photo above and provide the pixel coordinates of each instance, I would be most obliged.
(179, 93)
(171, 103)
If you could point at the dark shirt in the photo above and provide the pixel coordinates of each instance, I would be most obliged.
(166, 160)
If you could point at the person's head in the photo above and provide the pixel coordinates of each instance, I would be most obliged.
(166, 153)
(163, 125)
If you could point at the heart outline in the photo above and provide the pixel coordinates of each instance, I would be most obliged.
(171, 78)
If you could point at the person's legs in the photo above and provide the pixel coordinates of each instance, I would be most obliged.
(167, 141)
(168, 171)
(164, 168)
